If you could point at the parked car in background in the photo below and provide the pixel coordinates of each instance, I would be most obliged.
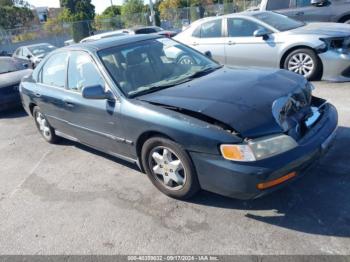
(33, 53)
(235, 132)
(69, 42)
(5, 53)
(268, 39)
(149, 30)
(310, 10)
(103, 35)
(11, 73)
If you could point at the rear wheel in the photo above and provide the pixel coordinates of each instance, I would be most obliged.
(304, 62)
(43, 126)
(169, 168)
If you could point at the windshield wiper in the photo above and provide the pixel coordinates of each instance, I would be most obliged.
(155, 88)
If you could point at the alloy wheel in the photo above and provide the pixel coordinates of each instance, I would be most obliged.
(302, 64)
(43, 125)
(167, 168)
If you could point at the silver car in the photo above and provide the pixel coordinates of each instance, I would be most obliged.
(268, 39)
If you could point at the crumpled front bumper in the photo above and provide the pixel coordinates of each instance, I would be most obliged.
(336, 66)
(240, 179)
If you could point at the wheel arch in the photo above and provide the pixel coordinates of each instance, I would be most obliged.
(143, 138)
(344, 17)
(288, 51)
(31, 107)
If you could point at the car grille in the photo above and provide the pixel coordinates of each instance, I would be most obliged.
(9, 89)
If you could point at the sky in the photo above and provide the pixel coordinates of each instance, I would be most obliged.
(100, 5)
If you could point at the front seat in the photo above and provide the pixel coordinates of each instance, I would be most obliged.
(138, 71)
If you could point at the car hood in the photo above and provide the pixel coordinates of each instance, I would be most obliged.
(239, 98)
(324, 29)
(12, 78)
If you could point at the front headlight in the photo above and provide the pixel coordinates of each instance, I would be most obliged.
(258, 149)
(340, 45)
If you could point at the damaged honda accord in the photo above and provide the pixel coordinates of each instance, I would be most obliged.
(187, 122)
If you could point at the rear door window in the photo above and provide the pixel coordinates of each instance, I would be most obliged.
(54, 70)
(209, 29)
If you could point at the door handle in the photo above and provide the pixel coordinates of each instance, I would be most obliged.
(37, 94)
(231, 43)
(68, 103)
(299, 13)
(194, 43)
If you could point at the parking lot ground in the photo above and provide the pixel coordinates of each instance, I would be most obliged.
(69, 199)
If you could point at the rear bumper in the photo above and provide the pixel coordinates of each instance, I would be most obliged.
(336, 66)
(10, 101)
(239, 180)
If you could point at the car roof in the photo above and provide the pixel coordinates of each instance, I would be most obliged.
(36, 45)
(113, 41)
(102, 35)
(240, 14)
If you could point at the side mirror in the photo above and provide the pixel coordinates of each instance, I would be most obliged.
(318, 2)
(208, 54)
(96, 92)
(262, 32)
(29, 56)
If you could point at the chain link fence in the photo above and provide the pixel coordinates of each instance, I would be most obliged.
(60, 34)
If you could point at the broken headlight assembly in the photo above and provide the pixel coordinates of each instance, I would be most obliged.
(340, 45)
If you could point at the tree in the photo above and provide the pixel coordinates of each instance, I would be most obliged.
(80, 12)
(110, 19)
(133, 12)
(13, 16)
(6, 3)
(168, 9)
(112, 11)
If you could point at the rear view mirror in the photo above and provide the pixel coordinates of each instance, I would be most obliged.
(96, 92)
(262, 32)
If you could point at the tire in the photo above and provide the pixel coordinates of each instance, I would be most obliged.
(175, 176)
(47, 132)
(305, 62)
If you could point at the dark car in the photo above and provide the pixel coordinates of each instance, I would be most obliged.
(33, 54)
(236, 132)
(310, 10)
(11, 73)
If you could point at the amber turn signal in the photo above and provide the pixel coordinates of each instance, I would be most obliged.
(276, 182)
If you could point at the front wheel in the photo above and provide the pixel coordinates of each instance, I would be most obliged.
(169, 168)
(43, 126)
(304, 62)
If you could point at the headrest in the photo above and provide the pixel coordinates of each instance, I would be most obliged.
(134, 58)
